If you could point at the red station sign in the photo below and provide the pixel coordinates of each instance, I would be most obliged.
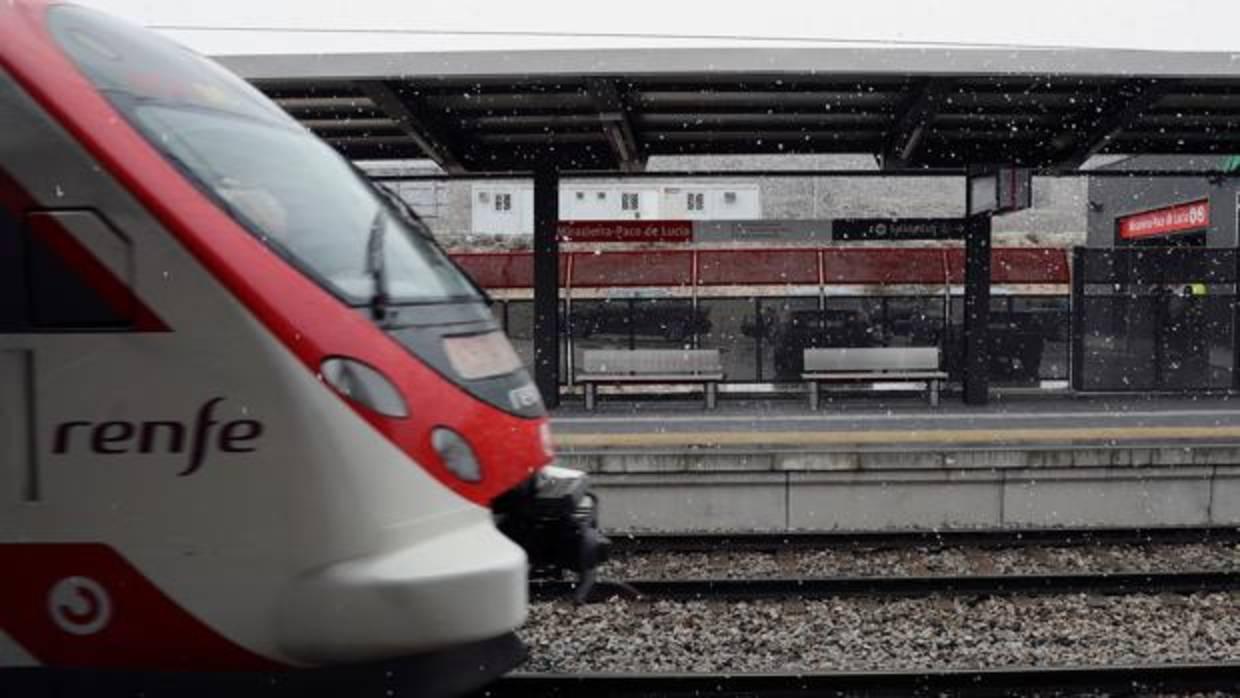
(625, 231)
(1180, 218)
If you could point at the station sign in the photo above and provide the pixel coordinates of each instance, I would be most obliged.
(1180, 218)
(764, 231)
(895, 229)
(769, 231)
(632, 231)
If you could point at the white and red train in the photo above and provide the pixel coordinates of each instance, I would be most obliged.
(251, 417)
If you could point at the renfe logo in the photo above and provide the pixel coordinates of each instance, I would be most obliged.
(79, 605)
(163, 436)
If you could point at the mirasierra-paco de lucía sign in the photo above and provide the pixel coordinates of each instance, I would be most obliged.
(1180, 218)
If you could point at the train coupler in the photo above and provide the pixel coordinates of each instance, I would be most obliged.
(554, 517)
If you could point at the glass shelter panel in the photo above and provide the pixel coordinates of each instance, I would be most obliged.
(789, 326)
(734, 332)
(600, 324)
(660, 323)
(1156, 319)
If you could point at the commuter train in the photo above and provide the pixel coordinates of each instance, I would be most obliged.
(252, 418)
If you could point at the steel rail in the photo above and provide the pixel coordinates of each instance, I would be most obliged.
(907, 586)
(624, 544)
(1221, 676)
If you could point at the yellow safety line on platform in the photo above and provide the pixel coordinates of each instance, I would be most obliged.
(893, 437)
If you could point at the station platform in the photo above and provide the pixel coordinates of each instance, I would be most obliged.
(885, 463)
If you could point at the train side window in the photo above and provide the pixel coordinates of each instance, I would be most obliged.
(77, 272)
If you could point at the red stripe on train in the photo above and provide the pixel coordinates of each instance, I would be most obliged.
(83, 605)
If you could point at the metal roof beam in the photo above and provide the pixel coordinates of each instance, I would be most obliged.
(342, 103)
(906, 136)
(350, 125)
(1127, 103)
(417, 122)
(617, 125)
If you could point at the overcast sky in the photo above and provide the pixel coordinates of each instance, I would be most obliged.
(435, 25)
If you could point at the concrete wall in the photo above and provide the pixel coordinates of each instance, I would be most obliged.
(891, 490)
(1058, 204)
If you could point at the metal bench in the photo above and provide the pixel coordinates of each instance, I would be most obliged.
(653, 366)
(873, 365)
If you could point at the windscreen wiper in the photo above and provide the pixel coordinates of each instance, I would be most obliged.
(402, 206)
(424, 232)
(376, 266)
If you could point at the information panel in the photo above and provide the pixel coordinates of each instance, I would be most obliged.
(1180, 218)
(898, 228)
(1001, 190)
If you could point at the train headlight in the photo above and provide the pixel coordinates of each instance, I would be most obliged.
(456, 454)
(544, 436)
(363, 384)
(478, 356)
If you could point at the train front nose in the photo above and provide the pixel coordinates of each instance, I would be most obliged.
(554, 517)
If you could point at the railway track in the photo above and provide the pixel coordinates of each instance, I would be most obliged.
(820, 588)
(957, 599)
(1127, 680)
(1182, 576)
(1002, 538)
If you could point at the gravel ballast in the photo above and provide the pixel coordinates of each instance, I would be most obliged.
(859, 634)
(914, 561)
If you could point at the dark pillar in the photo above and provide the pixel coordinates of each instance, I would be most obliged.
(977, 310)
(1076, 360)
(1235, 311)
(547, 285)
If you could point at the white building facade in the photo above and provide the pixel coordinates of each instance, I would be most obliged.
(507, 207)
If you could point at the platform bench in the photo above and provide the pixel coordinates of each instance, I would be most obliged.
(873, 365)
(651, 366)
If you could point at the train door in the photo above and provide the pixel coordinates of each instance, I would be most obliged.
(14, 372)
(16, 451)
(18, 486)
(66, 274)
(100, 400)
(17, 471)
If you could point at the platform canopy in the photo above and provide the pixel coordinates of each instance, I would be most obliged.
(610, 109)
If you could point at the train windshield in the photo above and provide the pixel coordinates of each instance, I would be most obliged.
(287, 187)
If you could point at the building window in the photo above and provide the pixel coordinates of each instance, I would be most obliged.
(581, 195)
(729, 197)
(696, 201)
(503, 202)
(601, 195)
(629, 202)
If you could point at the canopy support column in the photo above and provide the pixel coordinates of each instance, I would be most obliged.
(547, 284)
(977, 310)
